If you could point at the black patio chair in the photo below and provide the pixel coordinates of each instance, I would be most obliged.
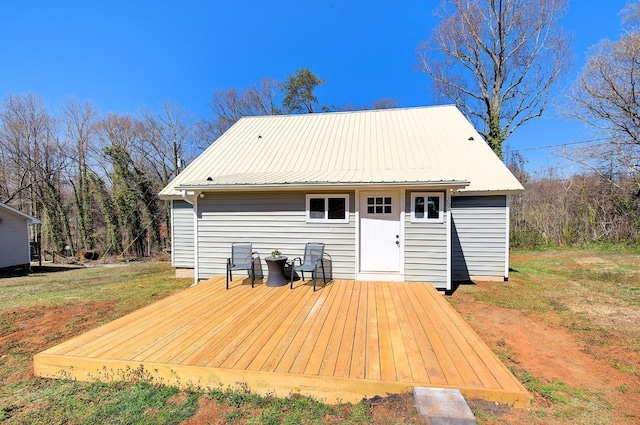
(242, 258)
(313, 253)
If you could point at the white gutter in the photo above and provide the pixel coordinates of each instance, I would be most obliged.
(453, 184)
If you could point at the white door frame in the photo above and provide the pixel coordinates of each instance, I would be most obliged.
(395, 277)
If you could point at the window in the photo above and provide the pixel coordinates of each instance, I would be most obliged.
(379, 205)
(328, 208)
(427, 207)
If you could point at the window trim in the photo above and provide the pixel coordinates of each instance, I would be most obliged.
(425, 219)
(326, 218)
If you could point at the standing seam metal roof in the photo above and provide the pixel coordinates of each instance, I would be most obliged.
(423, 146)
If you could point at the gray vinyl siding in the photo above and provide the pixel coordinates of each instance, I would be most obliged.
(182, 244)
(270, 220)
(478, 236)
(14, 240)
(425, 246)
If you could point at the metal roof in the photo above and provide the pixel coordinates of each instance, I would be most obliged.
(426, 146)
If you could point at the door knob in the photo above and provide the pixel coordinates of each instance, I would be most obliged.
(397, 242)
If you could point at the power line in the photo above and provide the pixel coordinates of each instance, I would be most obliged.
(560, 144)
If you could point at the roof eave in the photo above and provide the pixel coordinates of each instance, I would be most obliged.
(170, 196)
(29, 218)
(452, 184)
(488, 192)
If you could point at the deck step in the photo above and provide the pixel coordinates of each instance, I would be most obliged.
(440, 406)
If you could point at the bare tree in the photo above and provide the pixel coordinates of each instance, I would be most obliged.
(496, 60)
(606, 97)
(167, 141)
(167, 144)
(580, 209)
(23, 128)
(229, 105)
(80, 121)
(631, 14)
(381, 103)
(119, 130)
(132, 189)
(35, 160)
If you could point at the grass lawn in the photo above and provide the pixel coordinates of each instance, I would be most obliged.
(566, 323)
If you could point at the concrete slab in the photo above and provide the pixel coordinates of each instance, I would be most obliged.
(440, 406)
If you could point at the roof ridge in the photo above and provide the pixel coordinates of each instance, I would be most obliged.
(360, 111)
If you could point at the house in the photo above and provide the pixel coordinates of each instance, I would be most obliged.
(15, 248)
(410, 194)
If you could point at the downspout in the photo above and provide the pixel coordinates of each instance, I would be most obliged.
(173, 250)
(448, 218)
(507, 238)
(28, 224)
(189, 197)
(195, 240)
(192, 198)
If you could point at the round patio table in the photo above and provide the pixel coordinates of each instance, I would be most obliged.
(275, 266)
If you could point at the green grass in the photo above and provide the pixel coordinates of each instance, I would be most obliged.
(626, 367)
(565, 403)
(91, 403)
(136, 284)
(555, 391)
(248, 407)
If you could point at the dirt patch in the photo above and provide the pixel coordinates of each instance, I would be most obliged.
(393, 409)
(535, 343)
(26, 332)
(210, 412)
(584, 261)
(608, 314)
(495, 409)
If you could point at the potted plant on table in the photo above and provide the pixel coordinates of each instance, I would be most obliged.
(275, 253)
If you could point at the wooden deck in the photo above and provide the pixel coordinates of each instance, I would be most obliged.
(344, 342)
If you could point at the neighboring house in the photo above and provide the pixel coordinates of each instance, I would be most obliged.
(409, 194)
(15, 248)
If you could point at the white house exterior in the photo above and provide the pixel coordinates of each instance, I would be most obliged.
(409, 194)
(15, 250)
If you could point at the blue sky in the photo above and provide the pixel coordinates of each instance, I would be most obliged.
(125, 54)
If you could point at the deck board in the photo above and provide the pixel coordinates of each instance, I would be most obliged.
(277, 333)
(319, 354)
(372, 348)
(346, 341)
(398, 340)
(345, 352)
(358, 358)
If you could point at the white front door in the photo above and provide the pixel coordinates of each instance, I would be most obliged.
(380, 238)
